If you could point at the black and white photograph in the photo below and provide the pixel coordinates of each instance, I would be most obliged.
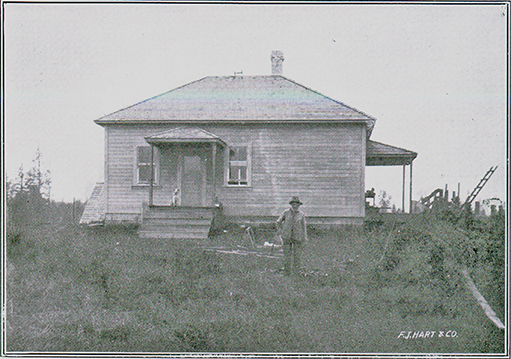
(266, 179)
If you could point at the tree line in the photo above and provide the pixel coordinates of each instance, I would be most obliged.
(29, 202)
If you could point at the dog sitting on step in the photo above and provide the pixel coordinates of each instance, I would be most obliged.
(176, 198)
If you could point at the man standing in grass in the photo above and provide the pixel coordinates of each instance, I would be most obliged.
(292, 227)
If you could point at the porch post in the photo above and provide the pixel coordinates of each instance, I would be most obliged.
(152, 177)
(403, 195)
(411, 163)
(213, 162)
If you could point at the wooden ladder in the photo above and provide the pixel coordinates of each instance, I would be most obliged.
(479, 187)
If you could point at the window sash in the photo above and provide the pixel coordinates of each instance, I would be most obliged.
(143, 165)
(238, 169)
(238, 175)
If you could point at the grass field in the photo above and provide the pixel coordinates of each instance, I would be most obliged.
(72, 289)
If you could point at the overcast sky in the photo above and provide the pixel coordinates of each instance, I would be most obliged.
(434, 77)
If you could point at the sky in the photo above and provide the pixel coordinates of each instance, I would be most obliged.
(433, 76)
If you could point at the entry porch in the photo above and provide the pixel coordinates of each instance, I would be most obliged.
(184, 175)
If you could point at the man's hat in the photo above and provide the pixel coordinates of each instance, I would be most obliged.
(295, 199)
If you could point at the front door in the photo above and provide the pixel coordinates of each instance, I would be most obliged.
(192, 181)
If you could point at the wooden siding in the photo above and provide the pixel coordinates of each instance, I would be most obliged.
(323, 164)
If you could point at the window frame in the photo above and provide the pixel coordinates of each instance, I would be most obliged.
(156, 164)
(227, 165)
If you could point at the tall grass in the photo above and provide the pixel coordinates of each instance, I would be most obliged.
(100, 290)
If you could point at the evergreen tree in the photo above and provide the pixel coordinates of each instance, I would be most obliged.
(28, 196)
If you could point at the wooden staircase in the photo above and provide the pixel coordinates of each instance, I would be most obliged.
(94, 212)
(179, 222)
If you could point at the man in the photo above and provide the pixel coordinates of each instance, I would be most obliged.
(292, 227)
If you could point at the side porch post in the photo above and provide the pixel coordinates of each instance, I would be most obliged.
(411, 163)
(403, 195)
(213, 162)
(152, 177)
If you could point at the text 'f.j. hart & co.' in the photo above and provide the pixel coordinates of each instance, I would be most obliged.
(428, 334)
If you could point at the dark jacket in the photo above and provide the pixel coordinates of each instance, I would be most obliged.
(292, 224)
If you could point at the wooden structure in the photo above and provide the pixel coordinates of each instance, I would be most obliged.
(94, 212)
(379, 154)
(247, 142)
(439, 199)
(479, 187)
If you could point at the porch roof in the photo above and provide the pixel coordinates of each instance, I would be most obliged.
(380, 154)
(184, 135)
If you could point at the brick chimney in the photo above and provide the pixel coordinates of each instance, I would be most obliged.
(277, 58)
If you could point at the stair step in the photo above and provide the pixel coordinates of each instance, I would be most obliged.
(182, 209)
(177, 211)
(176, 215)
(178, 221)
(173, 235)
(170, 228)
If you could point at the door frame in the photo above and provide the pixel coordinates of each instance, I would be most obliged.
(202, 170)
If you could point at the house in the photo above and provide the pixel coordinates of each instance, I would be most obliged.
(247, 143)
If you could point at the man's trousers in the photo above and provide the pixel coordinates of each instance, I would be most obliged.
(292, 256)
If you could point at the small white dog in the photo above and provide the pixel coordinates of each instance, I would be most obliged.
(176, 198)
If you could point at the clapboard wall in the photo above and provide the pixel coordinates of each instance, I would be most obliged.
(324, 164)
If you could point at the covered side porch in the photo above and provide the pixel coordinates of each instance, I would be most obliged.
(183, 185)
(380, 154)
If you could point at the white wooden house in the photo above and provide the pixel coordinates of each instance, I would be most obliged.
(247, 142)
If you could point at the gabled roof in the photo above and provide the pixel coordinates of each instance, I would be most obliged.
(380, 154)
(184, 135)
(239, 99)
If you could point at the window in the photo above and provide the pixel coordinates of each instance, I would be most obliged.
(238, 168)
(143, 175)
